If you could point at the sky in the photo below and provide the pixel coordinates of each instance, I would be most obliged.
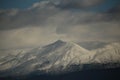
(31, 23)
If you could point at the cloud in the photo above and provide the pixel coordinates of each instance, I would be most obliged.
(33, 16)
(46, 21)
(113, 14)
(115, 9)
(27, 37)
(101, 31)
(41, 12)
(11, 12)
(77, 3)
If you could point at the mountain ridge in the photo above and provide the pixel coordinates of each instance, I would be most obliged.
(58, 56)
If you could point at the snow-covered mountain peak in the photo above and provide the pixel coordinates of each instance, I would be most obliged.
(59, 41)
(56, 44)
(64, 45)
(113, 45)
(108, 54)
(52, 56)
(60, 55)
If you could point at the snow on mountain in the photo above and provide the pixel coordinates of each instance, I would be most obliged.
(11, 58)
(49, 57)
(57, 56)
(64, 54)
(109, 54)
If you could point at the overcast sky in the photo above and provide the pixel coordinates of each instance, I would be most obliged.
(30, 23)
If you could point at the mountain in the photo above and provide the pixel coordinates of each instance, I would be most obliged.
(108, 54)
(59, 57)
